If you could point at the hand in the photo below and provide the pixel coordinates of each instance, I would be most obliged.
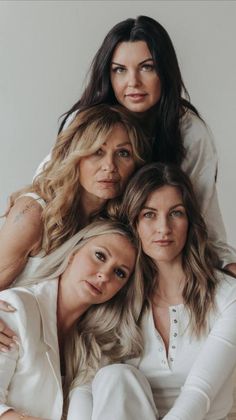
(231, 269)
(6, 307)
(8, 339)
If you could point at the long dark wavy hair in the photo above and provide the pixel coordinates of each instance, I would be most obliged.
(198, 258)
(174, 101)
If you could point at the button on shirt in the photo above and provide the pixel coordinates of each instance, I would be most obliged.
(193, 381)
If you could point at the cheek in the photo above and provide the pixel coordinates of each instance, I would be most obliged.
(128, 171)
(143, 233)
(117, 86)
(156, 88)
(183, 233)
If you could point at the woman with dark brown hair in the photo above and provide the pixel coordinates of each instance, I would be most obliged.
(188, 325)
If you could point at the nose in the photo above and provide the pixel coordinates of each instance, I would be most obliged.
(103, 276)
(163, 225)
(133, 78)
(109, 163)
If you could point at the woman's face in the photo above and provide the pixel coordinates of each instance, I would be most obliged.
(101, 268)
(134, 79)
(163, 225)
(105, 173)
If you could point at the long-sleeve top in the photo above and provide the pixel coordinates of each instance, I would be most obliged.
(30, 379)
(200, 164)
(193, 381)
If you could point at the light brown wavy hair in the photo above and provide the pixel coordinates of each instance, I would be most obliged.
(109, 332)
(199, 259)
(58, 183)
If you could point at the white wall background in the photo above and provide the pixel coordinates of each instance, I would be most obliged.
(45, 51)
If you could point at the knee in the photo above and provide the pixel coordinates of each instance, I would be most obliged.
(117, 373)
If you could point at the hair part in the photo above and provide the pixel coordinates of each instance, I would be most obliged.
(174, 101)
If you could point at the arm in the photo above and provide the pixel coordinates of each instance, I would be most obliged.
(212, 368)
(20, 235)
(80, 403)
(14, 415)
(201, 166)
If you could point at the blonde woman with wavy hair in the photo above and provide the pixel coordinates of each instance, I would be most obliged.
(82, 314)
(188, 328)
(91, 163)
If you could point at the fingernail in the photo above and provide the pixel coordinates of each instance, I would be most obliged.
(11, 308)
(13, 345)
(4, 350)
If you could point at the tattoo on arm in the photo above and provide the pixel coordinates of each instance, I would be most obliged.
(26, 209)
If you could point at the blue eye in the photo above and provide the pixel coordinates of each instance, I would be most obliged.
(100, 256)
(124, 153)
(177, 213)
(120, 273)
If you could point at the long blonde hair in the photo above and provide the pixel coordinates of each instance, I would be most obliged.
(108, 332)
(199, 259)
(58, 184)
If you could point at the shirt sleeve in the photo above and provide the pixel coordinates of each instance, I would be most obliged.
(7, 368)
(80, 403)
(201, 166)
(211, 369)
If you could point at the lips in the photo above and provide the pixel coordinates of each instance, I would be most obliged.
(108, 183)
(94, 288)
(136, 95)
(163, 242)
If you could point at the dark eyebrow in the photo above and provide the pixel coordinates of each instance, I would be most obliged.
(141, 62)
(148, 208)
(147, 59)
(171, 208)
(177, 205)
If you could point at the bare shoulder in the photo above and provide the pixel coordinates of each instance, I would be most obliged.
(23, 225)
(25, 210)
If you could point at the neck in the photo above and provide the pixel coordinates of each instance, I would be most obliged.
(171, 281)
(148, 119)
(89, 204)
(69, 310)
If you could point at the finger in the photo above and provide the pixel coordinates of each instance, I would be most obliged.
(5, 330)
(7, 342)
(6, 307)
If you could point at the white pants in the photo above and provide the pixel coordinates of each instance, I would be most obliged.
(118, 392)
(121, 392)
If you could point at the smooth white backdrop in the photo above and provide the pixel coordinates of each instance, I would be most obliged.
(46, 48)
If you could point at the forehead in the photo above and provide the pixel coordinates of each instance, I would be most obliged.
(118, 132)
(166, 196)
(117, 244)
(131, 51)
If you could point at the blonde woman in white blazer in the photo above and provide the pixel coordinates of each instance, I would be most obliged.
(76, 316)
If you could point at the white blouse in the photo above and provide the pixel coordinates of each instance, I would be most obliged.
(194, 380)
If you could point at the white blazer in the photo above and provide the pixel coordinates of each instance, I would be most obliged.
(30, 379)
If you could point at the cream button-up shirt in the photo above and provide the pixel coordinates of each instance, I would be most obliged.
(30, 379)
